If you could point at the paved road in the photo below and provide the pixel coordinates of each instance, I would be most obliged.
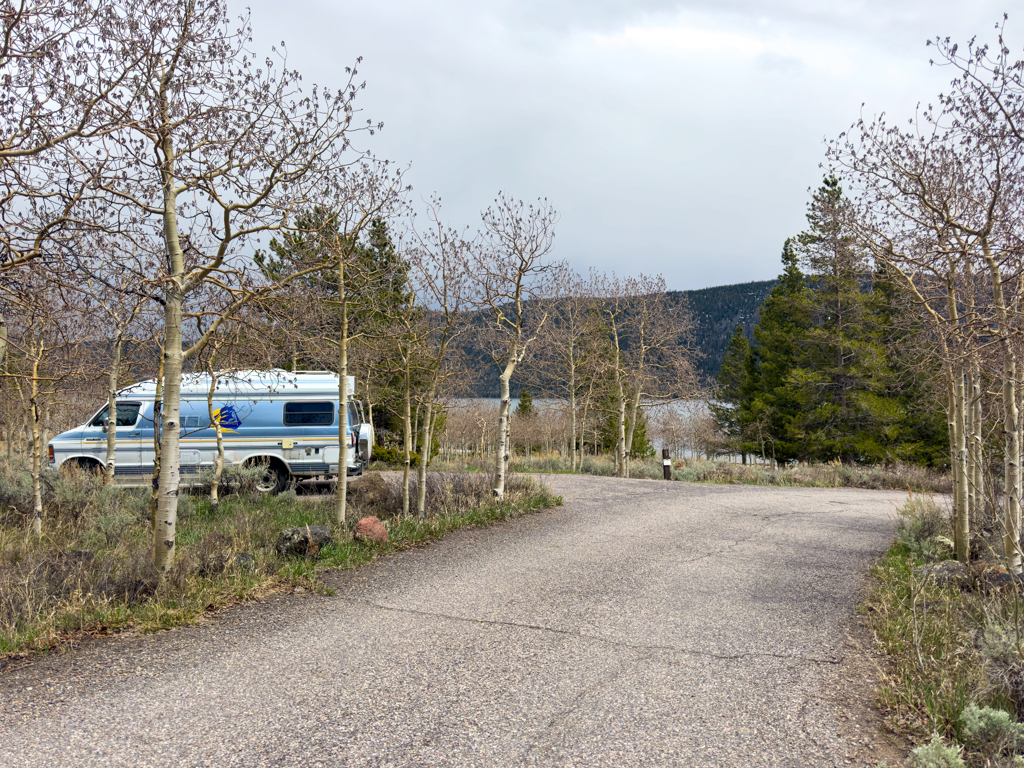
(642, 624)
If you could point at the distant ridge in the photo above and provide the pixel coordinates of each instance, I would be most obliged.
(716, 313)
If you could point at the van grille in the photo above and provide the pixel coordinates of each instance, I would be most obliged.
(315, 467)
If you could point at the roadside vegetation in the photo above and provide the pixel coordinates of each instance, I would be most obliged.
(953, 637)
(903, 477)
(92, 571)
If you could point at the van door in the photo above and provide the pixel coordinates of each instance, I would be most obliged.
(127, 456)
(197, 442)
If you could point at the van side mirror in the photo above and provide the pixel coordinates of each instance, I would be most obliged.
(106, 424)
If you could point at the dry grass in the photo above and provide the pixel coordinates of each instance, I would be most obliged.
(955, 651)
(892, 476)
(92, 571)
(902, 477)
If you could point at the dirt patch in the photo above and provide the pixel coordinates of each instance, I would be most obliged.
(854, 697)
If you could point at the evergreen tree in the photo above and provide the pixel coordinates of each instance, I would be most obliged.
(839, 375)
(525, 408)
(769, 405)
(729, 392)
(921, 435)
(608, 433)
(821, 380)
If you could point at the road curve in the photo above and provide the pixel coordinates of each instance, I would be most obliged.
(641, 624)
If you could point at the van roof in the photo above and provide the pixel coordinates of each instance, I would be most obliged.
(250, 384)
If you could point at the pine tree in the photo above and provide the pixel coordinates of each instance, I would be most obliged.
(729, 392)
(608, 433)
(840, 377)
(525, 408)
(821, 380)
(769, 406)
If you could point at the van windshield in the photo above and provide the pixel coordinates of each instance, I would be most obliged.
(127, 415)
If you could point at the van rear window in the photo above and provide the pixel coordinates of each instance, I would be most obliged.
(309, 414)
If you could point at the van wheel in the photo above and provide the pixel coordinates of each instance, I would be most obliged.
(274, 478)
(82, 466)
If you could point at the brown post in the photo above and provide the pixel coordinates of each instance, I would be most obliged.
(666, 463)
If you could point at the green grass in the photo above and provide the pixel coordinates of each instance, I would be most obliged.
(948, 648)
(91, 573)
(935, 670)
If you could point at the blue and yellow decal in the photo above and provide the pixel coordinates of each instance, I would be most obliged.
(227, 418)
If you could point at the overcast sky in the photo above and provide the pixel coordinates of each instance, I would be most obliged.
(672, 137)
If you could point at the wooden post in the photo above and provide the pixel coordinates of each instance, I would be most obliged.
(666, 463)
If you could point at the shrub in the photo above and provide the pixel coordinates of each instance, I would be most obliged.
(920, 528)
(1000, 646)
(390, 454)
(936, 754)
(992, 731)
(550, 464)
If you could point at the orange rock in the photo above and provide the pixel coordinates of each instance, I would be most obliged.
(370, 529)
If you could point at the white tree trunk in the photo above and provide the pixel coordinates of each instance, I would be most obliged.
(1012, 465)
(342, 488)
(158, 400)
(425, 438)
(572, 428)
(1011, 425)
(37, 450)
(115, 364)
(961, 534)
(166, 522)
(973, 490)
(28, 445)
(165, 530)
(634, 410)
(501, 460)
(621, 468)
(407, 437)
(218, 464)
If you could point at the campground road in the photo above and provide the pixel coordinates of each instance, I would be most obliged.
(641, 624)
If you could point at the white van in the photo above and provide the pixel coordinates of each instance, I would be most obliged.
(285, 421)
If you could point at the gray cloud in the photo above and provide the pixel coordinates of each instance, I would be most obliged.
(674, 137)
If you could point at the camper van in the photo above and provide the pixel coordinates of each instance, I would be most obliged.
(284, 421)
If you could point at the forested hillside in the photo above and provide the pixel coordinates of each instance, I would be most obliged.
(716, 313)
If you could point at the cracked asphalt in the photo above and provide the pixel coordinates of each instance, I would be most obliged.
(641, 624)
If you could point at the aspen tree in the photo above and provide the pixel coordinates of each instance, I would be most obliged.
(930, 206)
(567, 365)
(438, 272)
(514, 276)
(216, 151)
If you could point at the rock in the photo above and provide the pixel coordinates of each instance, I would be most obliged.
(370, 529)
(984, 577)
(211, 565)
(307, 540)
(1005, 582)
(370, 492)
(245, 561)
(944, 573)
(984, 570)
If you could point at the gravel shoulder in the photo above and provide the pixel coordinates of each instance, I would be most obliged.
(641, 624)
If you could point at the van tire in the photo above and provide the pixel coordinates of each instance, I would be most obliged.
(86, 466)
(275, 477)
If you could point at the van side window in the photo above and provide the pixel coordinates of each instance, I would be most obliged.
(127, 413)
(309, 414)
